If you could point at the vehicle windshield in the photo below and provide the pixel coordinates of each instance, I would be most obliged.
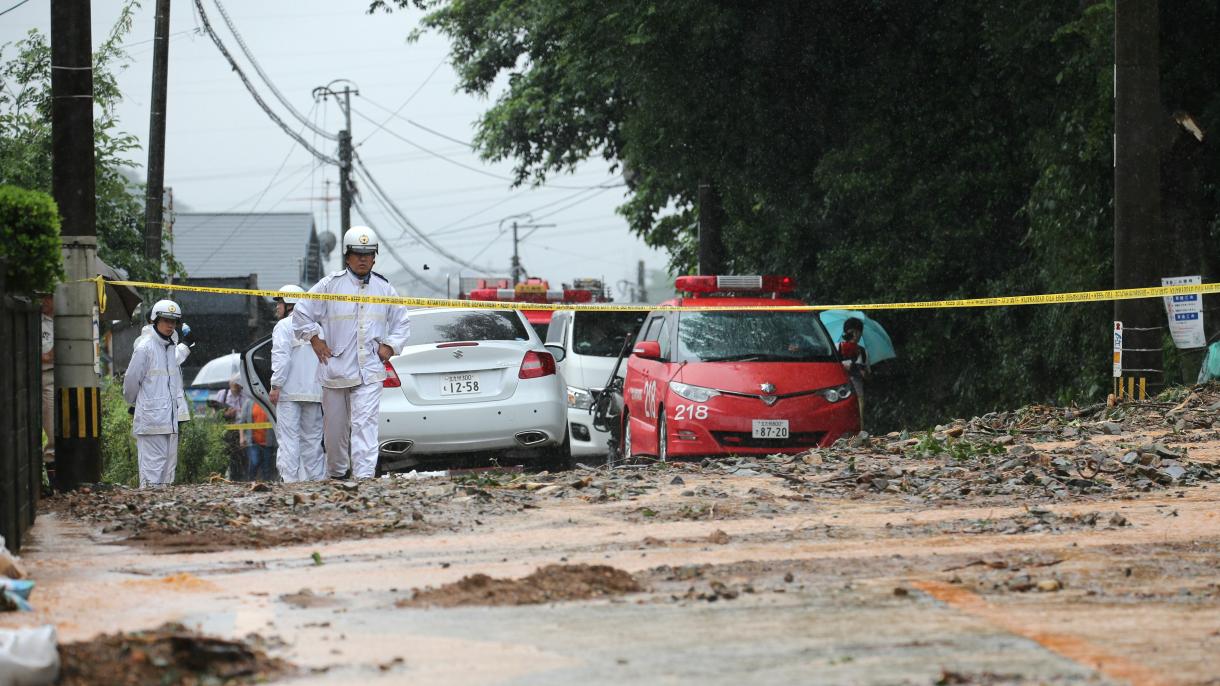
(601, 334)
(753, 336)
(465, 325)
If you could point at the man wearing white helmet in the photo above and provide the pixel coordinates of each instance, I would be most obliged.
(352, 341)
(153, 384)
(297, 397)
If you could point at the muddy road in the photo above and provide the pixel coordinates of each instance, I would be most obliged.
(1040, 546)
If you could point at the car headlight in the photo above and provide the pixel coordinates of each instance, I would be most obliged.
(834, 395)
(579, 398)
(697, 394)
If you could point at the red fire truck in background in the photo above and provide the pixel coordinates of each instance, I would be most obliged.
(536, 290)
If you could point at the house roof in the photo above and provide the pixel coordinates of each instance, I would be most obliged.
(273, 245)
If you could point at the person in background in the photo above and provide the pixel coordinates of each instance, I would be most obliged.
(258, 444)
(48, 378)
(232, 400)
(855, 358)
(297, 397)
(153, 385)
(353, 342)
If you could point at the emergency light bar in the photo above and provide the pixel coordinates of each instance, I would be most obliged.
(735, 284)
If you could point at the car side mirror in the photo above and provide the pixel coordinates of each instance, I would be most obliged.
(557, 351)
(648, 350)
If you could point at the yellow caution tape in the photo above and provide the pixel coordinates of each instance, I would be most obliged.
(249, 425)
(1004, 301)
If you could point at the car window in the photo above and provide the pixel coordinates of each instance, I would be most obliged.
(559, 326)
(663, 338)
(601, 334)
(753, 336)
(650, 333)
(466, 325)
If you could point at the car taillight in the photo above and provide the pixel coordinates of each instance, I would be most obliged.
(536, 364)
(391, 377)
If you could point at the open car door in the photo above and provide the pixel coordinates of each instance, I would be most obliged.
(256, 373)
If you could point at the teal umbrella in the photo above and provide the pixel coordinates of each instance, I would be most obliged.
(875, 340)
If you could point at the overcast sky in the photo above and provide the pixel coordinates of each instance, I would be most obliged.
(224, 154)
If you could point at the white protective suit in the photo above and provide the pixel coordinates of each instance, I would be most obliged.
(298, 420)
(181, 351)
(351, 379)
(153, 384)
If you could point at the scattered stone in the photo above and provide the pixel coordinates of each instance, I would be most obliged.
(552, 583)
(170, 654)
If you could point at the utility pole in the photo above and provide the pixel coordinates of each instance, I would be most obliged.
(78, 410)
(711, 219)
(515, 270)
(344, 98)
(156, 138)
(641, 289)
(1137, 192)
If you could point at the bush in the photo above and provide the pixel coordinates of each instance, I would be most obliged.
(29, 240)
(201, 447)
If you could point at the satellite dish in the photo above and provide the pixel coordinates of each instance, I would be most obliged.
(326, 243)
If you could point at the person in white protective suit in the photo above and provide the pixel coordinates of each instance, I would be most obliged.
(153, 384)
(352, 341)
(297, 397)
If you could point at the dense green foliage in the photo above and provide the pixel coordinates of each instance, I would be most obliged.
(201, 448)
(878, 150)
(25, 141)
(29, 240)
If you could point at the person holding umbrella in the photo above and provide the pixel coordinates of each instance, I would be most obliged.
(862, 343)
(855, 357)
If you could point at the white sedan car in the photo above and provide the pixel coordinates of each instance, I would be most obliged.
(471, 388)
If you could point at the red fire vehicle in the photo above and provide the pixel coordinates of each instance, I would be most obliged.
(745, 381)
(535, 290)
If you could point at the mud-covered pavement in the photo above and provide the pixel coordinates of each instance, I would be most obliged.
(1038, 546)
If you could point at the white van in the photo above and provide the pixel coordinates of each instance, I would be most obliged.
(586, 344)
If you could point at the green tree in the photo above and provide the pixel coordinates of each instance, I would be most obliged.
(25, 140)
(879, 150)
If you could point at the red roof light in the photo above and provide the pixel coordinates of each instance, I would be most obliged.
(735, 284)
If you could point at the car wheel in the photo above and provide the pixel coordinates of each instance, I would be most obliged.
(558, 458)
(662, 440)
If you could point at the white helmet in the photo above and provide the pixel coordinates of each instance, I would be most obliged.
(165, 309)
(360, 239)
(289, 288)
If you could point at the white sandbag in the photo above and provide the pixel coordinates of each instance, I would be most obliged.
(29, 657)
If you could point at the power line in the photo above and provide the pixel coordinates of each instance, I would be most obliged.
(207, 27)
(267, 80)
(395, 115)
(13, 7)
(463, 165)
(223, 243)
(445, 230)
(406, 102)
(384, 197)
(394, 253)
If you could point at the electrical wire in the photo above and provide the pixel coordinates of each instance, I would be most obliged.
(598, 190)
(405, 102)
(406, 223)
(207, 27)
(224, 242)
(463, 165)
(267, 80)
(394, 114)
(364, 216)
(13, 7)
